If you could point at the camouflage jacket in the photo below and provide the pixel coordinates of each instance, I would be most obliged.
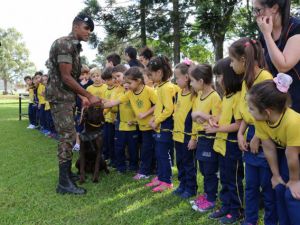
(63, 50)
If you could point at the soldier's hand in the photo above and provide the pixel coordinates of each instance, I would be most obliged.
(95, 100)
(85, 102)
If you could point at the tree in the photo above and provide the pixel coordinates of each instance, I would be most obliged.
(213, 20)
(14, 57)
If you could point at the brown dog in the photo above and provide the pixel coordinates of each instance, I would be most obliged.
(91, 142)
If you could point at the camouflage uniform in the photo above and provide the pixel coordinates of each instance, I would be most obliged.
(60, 96)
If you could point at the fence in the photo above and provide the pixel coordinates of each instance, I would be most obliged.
(22, 96)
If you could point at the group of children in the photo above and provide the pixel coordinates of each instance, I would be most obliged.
(38, 108)
(242, 129)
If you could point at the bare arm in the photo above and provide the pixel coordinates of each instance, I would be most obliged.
(283, 61)
(65, 70)
(292, 155)
(241, 139)
(111, 103)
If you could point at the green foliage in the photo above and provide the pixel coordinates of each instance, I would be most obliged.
(14, 56)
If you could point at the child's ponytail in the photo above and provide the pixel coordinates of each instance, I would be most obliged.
(252, 51)
(161, 62)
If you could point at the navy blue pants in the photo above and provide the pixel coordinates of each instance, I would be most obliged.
(208, 165)
(42, 117)
(123, 139)
(259, 177)
(163, 157)
(109, 136)
(49, 125)
(147, 152)
(288, 208)
(186, 165)
(32, 113)
(231, 178)
(293, 206)
(209, 171)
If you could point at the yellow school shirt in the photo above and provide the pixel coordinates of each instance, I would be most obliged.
(141, 103)
(98, 91)
(247, 117)
(40, 93)
(182, 115)
(124, 111)
(211, 104)
(109, 116)
(31, 95)
(47, 106)
(285, 132)
(229, 112)
(164, 108)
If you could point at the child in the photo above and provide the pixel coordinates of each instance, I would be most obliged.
(184, 144)
(41, 100)
(142, 99)
(278, 125)
(31, 105)
(98, 88)
(160, 73)
(230, 157)
(247, 60)
(85, 82)
(130, 56)
(109, 127)
(207, 104)
(49, 125)
(145, 56)
(36, 81)
(125, 124)
(113, 60)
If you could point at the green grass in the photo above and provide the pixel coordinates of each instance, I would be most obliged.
(28, 178)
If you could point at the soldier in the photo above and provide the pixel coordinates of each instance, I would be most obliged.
(64, 71)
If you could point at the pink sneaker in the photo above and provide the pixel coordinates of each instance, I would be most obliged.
(204, 207)
(154, 182)
(162, 187)
(199, 200)
(139, 176)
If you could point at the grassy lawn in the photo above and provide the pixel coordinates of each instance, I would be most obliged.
(28, 177)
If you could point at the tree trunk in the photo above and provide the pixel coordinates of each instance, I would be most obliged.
(218, 47)
(143, 22)
(5, 86)
(176, 28)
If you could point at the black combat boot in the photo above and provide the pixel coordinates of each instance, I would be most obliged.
(73, 176)
(65, 185)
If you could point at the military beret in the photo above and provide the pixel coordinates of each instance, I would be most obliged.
(86, 19)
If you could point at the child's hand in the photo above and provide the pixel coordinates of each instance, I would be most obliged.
(142, 115)
(39, 106)
(200, 120)
(192, 144)
(210, 129)
(254, 145)
(294, 187)
(243, 145)
(212, 121)
(275, 180)
(154, 125)
(130, 123)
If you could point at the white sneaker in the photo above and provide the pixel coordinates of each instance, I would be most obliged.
(31, 126)
(76, 148)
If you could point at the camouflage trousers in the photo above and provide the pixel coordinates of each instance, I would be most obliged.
(63, 118)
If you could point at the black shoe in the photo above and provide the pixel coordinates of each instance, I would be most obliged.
(218, 214)
(73, 176)
(65, 185)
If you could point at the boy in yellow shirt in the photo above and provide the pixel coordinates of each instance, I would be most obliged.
(31, 106)
(126, 133)
(109, 127)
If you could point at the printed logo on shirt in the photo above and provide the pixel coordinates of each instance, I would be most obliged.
(139, 103)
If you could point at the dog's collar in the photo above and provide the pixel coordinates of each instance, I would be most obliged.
(89, 136)
(94, 125)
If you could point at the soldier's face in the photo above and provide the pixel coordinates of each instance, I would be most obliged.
(82, 31)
